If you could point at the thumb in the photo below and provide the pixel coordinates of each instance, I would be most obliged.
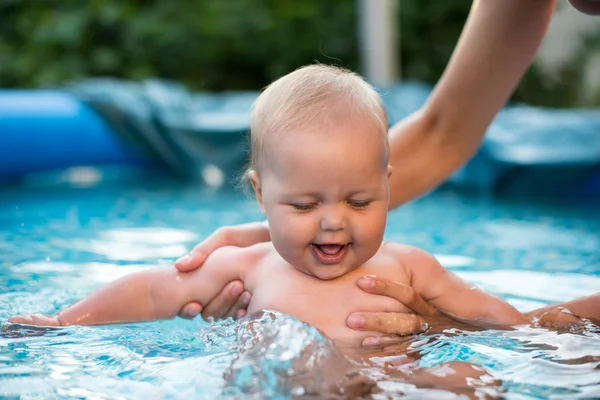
(195, 258)
(189, 262)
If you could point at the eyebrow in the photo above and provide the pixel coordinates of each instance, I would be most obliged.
(367, 192)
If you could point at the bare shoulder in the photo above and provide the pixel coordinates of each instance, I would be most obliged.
(415, 261)
(240, 262)
(406, 253)
(234, 254)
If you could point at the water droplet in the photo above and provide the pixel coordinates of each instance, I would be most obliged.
(298, 390)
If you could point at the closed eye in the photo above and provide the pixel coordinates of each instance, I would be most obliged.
(304, 206)
(359, 204)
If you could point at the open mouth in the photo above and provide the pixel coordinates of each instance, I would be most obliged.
(329, 253)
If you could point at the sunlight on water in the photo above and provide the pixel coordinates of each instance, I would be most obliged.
(547, 288)
(58, 249)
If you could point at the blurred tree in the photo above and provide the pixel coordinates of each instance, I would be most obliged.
(221, 44)
(208, 44)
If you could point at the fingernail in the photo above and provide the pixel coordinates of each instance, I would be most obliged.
(371, 341)
(236, 290)
(192, 314)
(367, 282)
(246, 298)
(183, 259)
(240, 314)
(356, 321)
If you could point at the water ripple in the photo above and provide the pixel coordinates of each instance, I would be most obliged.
(56, 251)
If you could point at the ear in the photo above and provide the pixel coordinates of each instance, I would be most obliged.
(389, 171)
(255, 180)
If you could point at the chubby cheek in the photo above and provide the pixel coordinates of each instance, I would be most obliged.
(290, 233)
(369, 231)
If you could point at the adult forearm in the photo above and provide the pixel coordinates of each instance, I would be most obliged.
(495, 49)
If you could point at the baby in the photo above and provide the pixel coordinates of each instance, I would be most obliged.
(320, 173)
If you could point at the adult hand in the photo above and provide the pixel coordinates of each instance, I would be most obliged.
(398, 325)
(584, 307)
(425, 317)
(232, 301)
(559, 319)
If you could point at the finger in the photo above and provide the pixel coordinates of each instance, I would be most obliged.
(21, 319)
(240, 305)
(196, 257)
(382, 341)
(190, 310)
(403, 293)
(387, 322)
(35, 319)
(224, 301)
(190, 261)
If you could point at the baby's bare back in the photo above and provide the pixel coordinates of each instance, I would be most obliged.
(326, 305)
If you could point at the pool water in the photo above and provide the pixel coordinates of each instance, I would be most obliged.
(58, 243)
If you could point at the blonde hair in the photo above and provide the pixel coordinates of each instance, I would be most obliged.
(309, 96)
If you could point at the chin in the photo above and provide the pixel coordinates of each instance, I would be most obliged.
(330, 272)
(325, 276)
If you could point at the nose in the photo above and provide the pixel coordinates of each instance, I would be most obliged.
(333, 219)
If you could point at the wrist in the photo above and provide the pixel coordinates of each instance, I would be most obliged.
(58, 319)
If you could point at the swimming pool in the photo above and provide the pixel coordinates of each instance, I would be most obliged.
(59, 243)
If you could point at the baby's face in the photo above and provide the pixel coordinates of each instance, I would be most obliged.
(325, 193)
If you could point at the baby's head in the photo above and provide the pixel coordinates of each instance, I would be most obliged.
(319, 167)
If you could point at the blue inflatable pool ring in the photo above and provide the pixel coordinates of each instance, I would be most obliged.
(109, 121)
(43, 130)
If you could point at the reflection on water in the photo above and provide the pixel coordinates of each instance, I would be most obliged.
(57, 246)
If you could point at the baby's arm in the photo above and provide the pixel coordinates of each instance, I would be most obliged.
(157, 293)
(453, 296)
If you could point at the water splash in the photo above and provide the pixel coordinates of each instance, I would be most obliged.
(61, 245)
(279, 356)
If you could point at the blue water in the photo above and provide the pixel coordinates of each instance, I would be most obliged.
(58, 243)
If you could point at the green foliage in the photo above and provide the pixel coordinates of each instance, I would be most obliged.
(223, 44)
(206, 44)
(429, 32)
